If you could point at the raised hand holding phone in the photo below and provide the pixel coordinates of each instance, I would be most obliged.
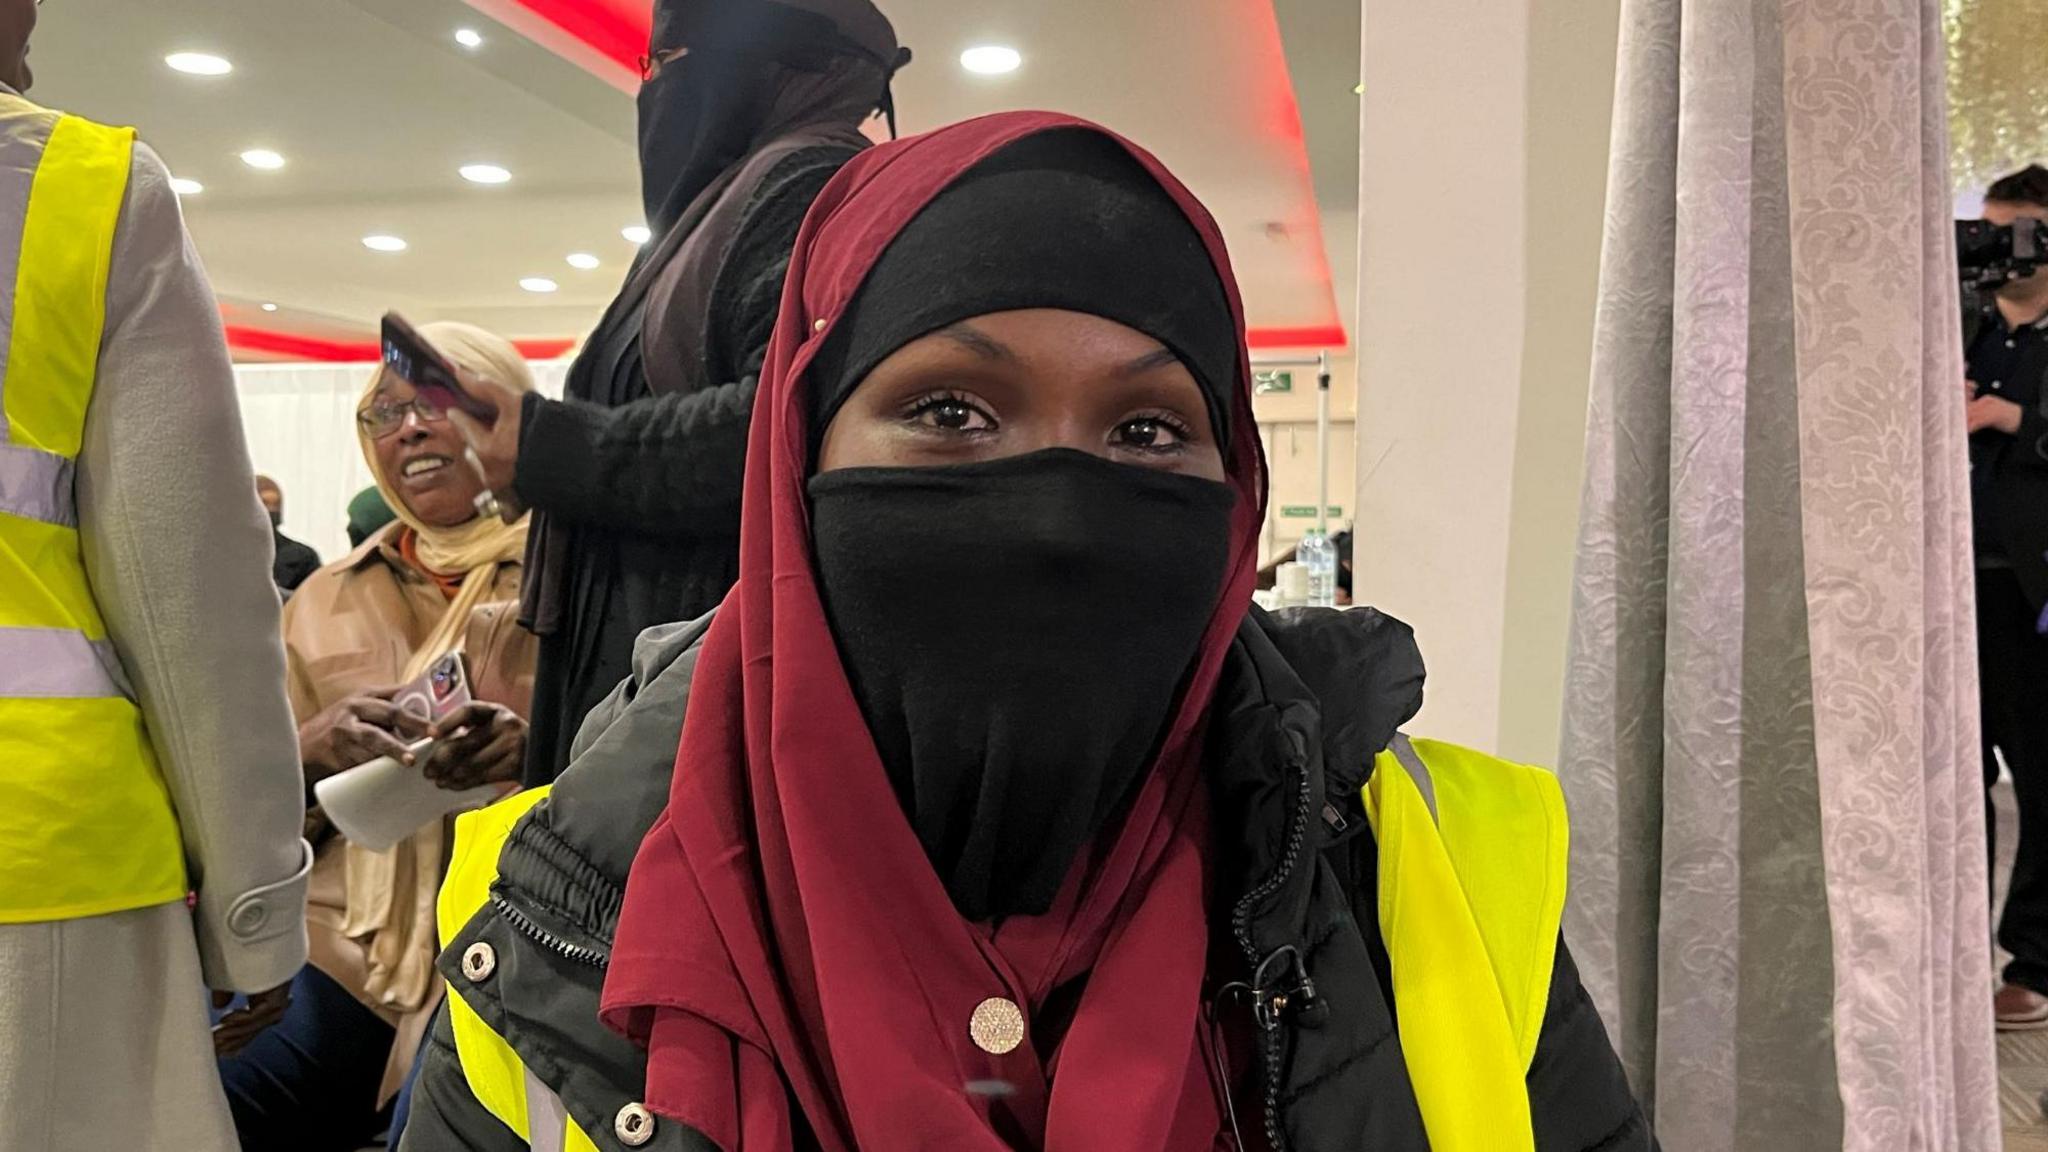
(493, 448)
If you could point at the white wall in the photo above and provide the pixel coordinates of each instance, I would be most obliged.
(300, 423)
(1570, 105)
(1287, 424)
(1483, 146)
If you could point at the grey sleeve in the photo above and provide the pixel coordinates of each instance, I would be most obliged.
(178, 553)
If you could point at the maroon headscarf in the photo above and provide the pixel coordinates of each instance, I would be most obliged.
(785, 938)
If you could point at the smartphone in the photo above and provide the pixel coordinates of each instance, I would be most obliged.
(431, 376)
(438, 691)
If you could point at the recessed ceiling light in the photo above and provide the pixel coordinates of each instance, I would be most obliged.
(199, 64)
(184, 187)
(538, 284)
(384, 243)
(270, 307)
(636, 233)
(485, 174)
(583, 261)
(263, 158)
(469, 38)
(990, 60)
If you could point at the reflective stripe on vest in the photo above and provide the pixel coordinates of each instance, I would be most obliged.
(1471, 892)
(58, 664)
(36, 485)
(503, 1085)
(86, 824)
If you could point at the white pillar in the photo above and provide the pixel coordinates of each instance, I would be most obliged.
(1482, 169)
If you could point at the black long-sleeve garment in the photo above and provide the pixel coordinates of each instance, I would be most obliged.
(649, 491)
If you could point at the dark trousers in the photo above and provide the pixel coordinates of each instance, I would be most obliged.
(309, 1084)
(2012, 666)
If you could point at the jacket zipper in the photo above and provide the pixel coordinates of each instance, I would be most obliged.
(541, 936)
(1269, 1022)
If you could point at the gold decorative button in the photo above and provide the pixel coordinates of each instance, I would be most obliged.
(634, 1125)
(997, 1026)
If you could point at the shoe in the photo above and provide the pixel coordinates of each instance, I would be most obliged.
(2020, 1009)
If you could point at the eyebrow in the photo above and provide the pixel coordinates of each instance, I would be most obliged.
(974, 339)
(1157, 358)
(968, 336)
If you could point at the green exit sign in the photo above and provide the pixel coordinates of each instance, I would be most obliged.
(1308, 511)
(1267, 383)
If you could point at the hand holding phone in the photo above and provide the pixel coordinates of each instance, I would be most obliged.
(440, 690)
(434, 380)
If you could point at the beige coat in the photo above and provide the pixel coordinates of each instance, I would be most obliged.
(351, 627)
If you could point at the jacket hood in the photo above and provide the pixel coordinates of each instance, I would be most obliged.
(1365, 671)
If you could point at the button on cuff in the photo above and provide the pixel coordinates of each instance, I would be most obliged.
(250, 917)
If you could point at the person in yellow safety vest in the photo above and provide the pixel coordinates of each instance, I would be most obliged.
(999, 818)
(150, 799)
(1469, 877)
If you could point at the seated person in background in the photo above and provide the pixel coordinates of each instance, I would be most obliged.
(999, 820)
(367, 513)
(441, 579)
(294, 561)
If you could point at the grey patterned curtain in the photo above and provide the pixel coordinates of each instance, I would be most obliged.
(1770, 734)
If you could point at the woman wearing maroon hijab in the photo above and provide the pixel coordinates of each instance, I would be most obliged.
(1000, 821)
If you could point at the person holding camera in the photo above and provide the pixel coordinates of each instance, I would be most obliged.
(2006, 352)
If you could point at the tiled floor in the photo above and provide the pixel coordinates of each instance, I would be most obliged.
(2022, 1078)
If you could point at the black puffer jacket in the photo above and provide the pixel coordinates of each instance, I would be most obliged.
(1307, 701)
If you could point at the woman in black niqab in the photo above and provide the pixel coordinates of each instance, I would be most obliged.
(749, 108)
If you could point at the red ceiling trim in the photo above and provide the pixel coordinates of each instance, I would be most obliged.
(604, 37)
(548, 349)
(293, 346)
(296, 347)
(1317, 336)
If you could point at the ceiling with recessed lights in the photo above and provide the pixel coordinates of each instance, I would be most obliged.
(344, 157)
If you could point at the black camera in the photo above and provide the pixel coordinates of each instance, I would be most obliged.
(1989, 255)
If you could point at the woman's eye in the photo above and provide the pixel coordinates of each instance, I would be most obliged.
(1150, 434)
(950, 414)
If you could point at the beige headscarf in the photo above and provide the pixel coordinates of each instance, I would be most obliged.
(391, 894)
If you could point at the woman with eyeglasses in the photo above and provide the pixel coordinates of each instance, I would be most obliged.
(441, 578)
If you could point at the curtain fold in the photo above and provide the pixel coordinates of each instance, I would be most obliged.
(1770, 729)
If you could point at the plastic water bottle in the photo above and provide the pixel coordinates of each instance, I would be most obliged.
(1319, 555)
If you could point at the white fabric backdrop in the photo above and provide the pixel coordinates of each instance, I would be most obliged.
(1778, 872)
(300, 421)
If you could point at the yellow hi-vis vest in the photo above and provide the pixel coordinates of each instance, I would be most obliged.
(1471, 892)
(492, 1069)
(86, 824)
